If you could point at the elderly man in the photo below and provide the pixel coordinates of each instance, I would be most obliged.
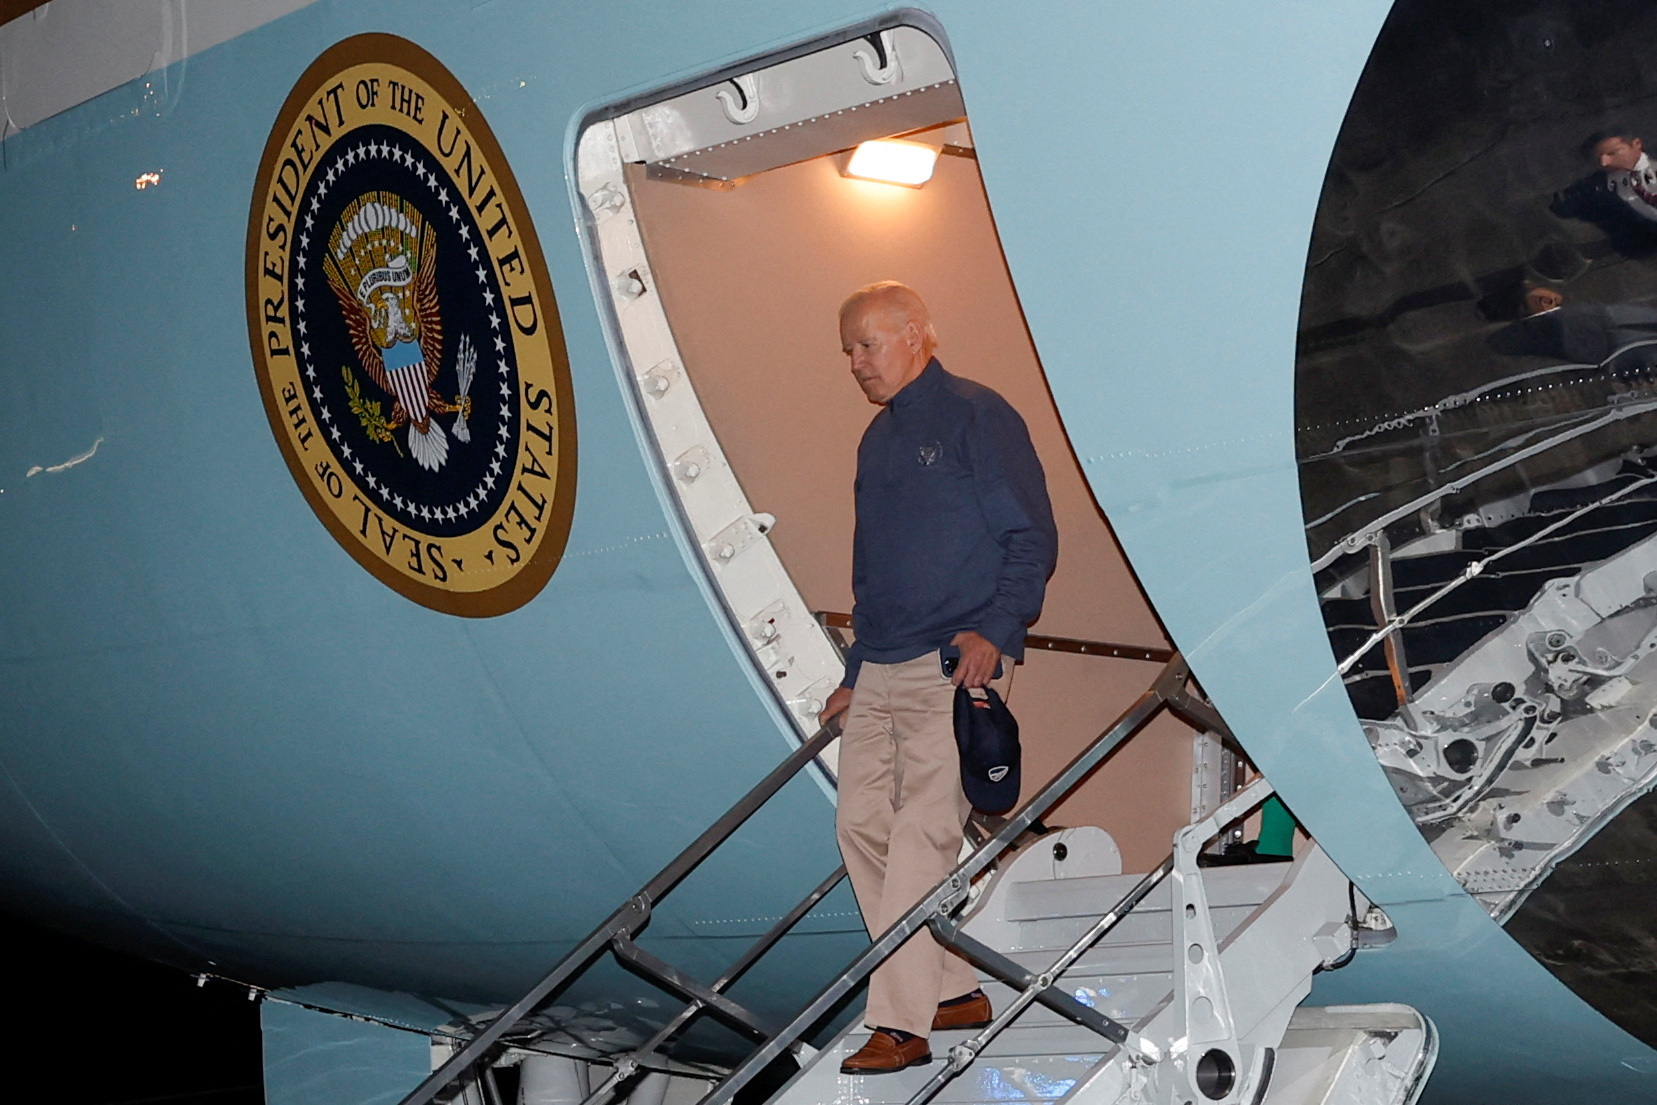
(954, 544)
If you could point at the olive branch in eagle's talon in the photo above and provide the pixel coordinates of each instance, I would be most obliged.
(367, 412)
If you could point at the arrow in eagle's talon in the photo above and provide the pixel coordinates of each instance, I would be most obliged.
(466, 364)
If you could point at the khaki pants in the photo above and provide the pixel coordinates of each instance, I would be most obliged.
(899, 820)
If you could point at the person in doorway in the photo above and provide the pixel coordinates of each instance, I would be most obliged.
(1621, 197)
(1629, 173)
(953, 547)
(1616, 337)
(1539, 300)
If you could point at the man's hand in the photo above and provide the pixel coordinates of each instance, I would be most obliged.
(837, 704)
(978, 660)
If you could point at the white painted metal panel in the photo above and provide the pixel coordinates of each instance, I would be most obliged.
(70, 51)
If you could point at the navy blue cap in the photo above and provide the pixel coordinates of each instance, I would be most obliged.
(986, 733)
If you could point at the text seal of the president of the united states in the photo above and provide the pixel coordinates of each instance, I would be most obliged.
(405, 337)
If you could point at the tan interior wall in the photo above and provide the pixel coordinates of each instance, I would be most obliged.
(752, 280)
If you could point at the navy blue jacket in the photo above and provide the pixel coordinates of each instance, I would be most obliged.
(954, 528)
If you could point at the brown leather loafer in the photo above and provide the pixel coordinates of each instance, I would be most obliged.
(883, 1054)
(966, 1014)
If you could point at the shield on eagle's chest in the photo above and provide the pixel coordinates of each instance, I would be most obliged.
(405, 368)
(381, 263)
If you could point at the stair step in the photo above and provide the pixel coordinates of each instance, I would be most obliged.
(1136, 930)
(1244, 885)
(1366, 1053)
(1125, 998)
(1035, 920)
(1342, 1053)
(1134, 959)
(1034, 1065)
(1266, 927)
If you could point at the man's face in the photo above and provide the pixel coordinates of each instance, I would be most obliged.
(1538, 300)
(884, 349)
(1618, 153)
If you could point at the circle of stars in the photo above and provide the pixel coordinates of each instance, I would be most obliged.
(338, 160)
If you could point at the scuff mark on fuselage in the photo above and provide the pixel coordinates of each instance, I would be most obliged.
(79, 458)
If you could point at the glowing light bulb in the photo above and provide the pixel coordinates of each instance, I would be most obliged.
(893, 161)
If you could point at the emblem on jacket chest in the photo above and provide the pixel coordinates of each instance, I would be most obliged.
(404, 332)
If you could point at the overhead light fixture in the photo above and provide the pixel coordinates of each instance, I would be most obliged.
(893, 161)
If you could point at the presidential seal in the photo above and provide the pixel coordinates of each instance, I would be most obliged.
(404, 332)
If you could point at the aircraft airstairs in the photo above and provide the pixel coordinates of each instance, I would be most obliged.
(1174, 987)
(1221, 1026)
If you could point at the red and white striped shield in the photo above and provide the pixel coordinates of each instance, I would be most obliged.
(409, 385)
(405, 368)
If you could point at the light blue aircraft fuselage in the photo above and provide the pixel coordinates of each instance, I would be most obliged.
(229, 747)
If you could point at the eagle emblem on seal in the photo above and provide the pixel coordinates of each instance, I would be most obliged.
(381, 265)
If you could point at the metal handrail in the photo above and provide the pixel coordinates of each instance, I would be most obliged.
(1357, 539)
(627, 1066)
(616, 932)
(1360, 537)
(1034, 987)
(1168, 692)
(1392, 622)
(632, 916)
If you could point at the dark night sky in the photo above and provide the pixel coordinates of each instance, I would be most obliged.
(107, 1029)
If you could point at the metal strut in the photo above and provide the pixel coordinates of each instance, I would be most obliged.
(935, 910)
(633, 915)
(1034, 987)
(626, 1066)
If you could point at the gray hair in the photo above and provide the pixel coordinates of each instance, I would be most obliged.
(895, 298)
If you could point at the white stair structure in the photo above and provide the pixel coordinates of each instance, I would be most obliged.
(1207, 970)
(1177, 987)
